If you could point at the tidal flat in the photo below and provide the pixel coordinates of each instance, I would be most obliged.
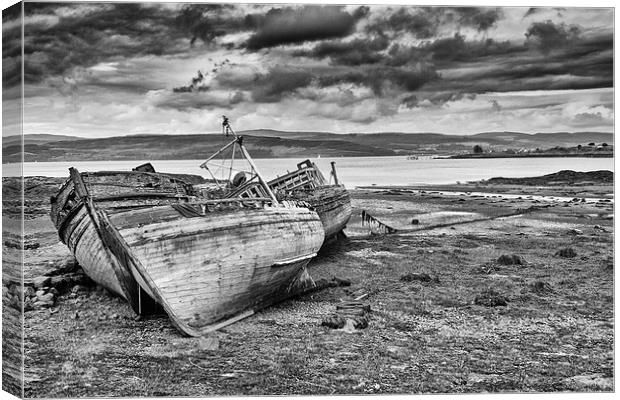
(470, 294)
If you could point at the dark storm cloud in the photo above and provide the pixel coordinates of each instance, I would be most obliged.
(457, 48)
(580, 64)
(548, 36)
(278, 82)
(11, 46)
(354, 52)
(108, 31)
(424, 22)
(206, 22)
(195, 86)
(372, 50)
(535, 10)
(480, 18)
(378, 79)
(192, 100)
(297, 25)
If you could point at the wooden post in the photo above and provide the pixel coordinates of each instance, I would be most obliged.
(334, 172)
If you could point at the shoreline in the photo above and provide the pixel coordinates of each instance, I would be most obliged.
(476, 156)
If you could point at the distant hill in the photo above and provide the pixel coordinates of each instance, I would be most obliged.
(265, 143)
(178, 147)
(36, 138)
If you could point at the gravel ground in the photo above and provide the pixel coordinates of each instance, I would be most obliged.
(447, 314)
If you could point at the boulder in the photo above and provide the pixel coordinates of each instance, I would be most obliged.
(567, 252)
(47, 297)
(64, 282)
(333, 321)
(491, 298)
(29, 292)
(421, 277)
(79, 289)
(541, 288)
(510, 259)
(41, 281)
(43, 304)
(208, 343)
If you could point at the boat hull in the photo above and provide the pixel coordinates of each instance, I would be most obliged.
(332, 204)
(307, 183)
(207, 269)
(110, 190)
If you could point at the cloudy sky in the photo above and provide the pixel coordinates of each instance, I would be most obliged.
(97, 69)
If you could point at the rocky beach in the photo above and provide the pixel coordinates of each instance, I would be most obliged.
(494, 286)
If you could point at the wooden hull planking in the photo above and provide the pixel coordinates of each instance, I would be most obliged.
(109, 190)
(96, 260)
(332, 204)
(307, 183)
(206, 269)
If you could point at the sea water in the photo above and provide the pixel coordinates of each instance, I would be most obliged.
(351, 171)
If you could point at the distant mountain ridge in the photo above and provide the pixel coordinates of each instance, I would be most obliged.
(266, 143)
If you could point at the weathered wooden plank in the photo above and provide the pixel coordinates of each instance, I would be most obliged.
(202, 279)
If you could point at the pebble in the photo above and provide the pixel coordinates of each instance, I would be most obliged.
(79, 288)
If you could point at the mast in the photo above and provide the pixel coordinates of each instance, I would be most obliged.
(228, 130)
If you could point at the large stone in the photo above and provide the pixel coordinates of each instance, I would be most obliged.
(591, 382)
(70, 264)
(29, 292)
(421, 277)
(333, 321)
(491, 298)
(47, 297)
(208, 343)
(41, 281)
(510, 259)
(567, 252)
(63, 282)
(43, 304)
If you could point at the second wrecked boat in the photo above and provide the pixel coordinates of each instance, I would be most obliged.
(332, 202)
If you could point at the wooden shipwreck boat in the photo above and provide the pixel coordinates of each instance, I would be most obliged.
(331, 201)
(307, 183)
(203, 260)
